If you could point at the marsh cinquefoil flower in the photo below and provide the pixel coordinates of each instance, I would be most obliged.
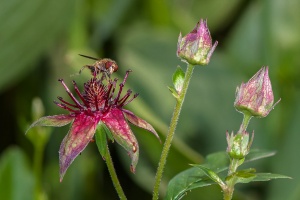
(196, 47)
(99, 104)
(256, 96)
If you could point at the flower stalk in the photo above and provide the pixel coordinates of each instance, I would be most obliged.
(113, 175)
(245, 123)
(195, 48)
(173, 124)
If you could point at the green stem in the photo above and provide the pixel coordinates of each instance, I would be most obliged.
(228, 194)
(113, 175)
(245, 123)
(228, 190)
(37, 168)
(173, 124)
(234, 163)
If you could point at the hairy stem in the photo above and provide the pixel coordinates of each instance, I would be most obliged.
(172, 128)
(245, 123)
(113, 175)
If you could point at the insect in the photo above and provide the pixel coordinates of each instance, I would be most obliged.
(105, 66)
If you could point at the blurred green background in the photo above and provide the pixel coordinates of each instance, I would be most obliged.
(40, 41)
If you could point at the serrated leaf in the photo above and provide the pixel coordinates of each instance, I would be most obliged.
(178, 79)
(194, 178)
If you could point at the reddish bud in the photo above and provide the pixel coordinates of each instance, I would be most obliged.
(256, 96)
(196, 47)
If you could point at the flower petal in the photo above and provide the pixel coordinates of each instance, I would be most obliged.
(132, 118)
(122, 133)
(80, 134)
(55, 120)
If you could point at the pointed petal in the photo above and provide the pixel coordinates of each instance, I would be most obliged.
(122, 133)
(140, 122)
(80, 134)
(55, 120)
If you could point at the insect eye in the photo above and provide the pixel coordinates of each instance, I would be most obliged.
(115, 67)
(108, 65)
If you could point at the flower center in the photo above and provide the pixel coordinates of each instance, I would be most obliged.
(97, 97)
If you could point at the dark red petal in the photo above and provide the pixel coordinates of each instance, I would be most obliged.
(55, 120)
(80, 134)
(122, 133)
(139, 122)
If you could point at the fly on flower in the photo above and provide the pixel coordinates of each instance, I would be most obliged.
(99, 104)
(105, 66)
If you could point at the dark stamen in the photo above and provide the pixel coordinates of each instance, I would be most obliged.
(134, 96)
(79, 94)
(113, 88)
(123, 99)
(63, 106)
(126, 75)
(70, 94)
(122, 85)
(62, 100)
(96, 102)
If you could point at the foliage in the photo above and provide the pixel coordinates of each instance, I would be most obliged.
(40, 41)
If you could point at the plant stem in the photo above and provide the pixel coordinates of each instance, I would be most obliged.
(228, 190)
(245, 123)
(172, 128)
(228, 194)
(234, 163)
(113, 175)
(37, 168)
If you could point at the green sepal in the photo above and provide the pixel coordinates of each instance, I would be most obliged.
(108, 132)
(101, 141)
(178, 79)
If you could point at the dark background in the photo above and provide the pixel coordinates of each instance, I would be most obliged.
(40, 41)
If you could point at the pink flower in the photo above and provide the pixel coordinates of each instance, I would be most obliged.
(256, 96)
(98, 104)
(196, 47)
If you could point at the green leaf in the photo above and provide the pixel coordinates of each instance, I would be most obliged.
(242, 176)
(16, 179)
(173, 91)
(212, 175)
(101, 141)
(194, 178)
(178, 79)
(249, 175)
(268, 176)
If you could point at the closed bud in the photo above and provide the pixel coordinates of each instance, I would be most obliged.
(239, 144)
(255, 97)
(196, 47)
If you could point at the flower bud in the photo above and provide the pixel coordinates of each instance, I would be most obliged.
(256, 96)
(239, 144)
(196, 47)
